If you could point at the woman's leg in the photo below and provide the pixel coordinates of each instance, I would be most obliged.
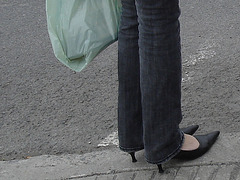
(160, 78)
(150, 98)
(130, 129)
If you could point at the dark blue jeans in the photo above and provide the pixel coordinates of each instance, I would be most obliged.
(149, 67)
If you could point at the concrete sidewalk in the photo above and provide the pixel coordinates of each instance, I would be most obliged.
(222, 162)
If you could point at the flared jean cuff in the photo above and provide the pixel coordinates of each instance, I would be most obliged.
(131, 149)
(171, 154)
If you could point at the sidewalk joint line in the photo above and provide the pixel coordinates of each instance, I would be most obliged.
(149, 169)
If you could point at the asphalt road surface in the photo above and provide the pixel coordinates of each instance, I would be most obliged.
(46, 108)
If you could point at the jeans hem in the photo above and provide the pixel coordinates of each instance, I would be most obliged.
(131, 149)
(171, 155)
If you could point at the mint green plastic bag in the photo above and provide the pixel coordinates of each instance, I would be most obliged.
(80, 29)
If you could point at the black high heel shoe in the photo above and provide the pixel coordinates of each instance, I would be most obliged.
(205, 143)
(188, 130)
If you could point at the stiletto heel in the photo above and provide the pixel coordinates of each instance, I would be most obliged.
(133, 157)
(160, 169)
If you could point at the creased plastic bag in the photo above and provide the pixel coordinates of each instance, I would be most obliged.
(80, 29)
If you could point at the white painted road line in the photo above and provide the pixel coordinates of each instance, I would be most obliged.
(112, 139)
(205, 52)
